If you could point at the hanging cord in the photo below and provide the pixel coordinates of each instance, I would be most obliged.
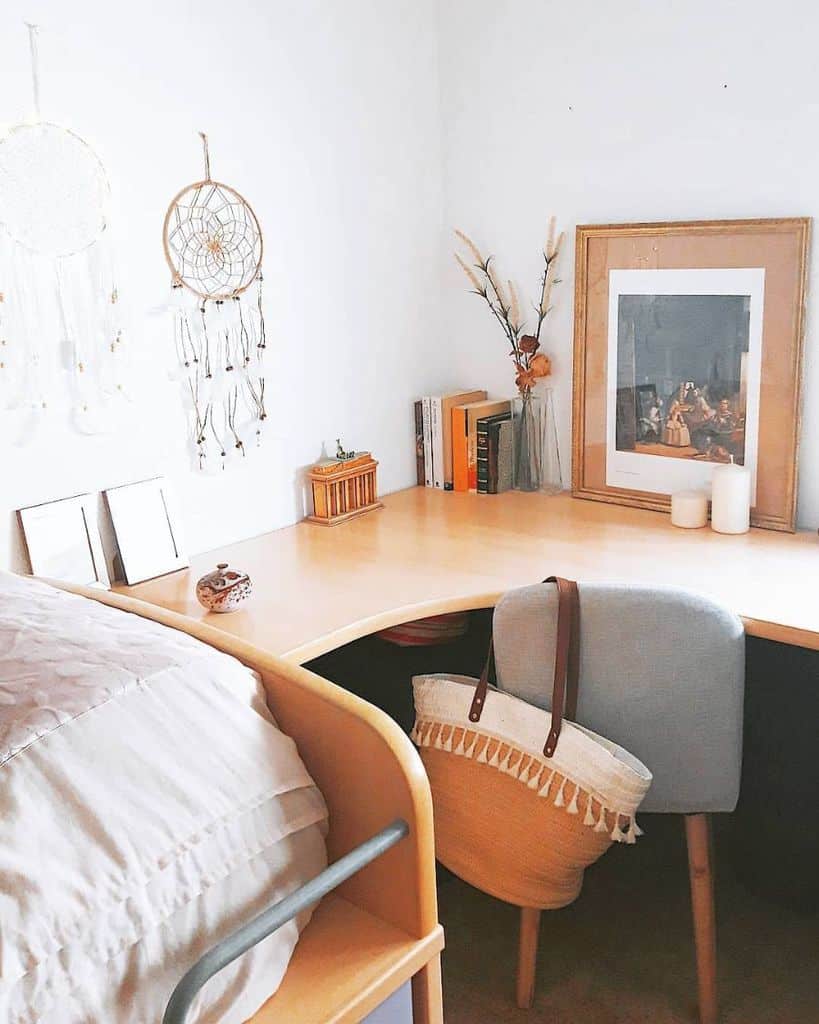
(35, 65)
(204, 139)
(262, 337)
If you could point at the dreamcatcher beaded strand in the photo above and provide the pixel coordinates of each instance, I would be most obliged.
(213, 246)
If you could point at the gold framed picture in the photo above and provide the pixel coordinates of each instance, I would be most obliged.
(687, 354)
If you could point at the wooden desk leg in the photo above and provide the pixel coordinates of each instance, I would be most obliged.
(701, 875)
(527, 956)
(427, 997)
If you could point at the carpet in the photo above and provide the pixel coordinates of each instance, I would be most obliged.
(623, 952)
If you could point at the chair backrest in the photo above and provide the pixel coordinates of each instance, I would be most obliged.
(662, 672)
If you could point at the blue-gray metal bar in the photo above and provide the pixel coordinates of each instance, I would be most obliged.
(226, 951)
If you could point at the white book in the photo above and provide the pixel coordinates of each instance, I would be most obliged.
(427, 421)
(437, 432)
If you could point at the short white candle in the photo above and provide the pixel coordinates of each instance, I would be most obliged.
(689, 509)
(730, 499)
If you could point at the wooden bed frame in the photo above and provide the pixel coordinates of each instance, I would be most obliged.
(380, 928)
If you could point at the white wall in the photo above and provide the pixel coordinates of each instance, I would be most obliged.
(330, 116)
(325, 115)
(626, 111)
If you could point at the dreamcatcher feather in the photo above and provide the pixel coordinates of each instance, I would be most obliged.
(213, 245)
(59, 314)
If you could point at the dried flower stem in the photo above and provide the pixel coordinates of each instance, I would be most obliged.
(499, 308)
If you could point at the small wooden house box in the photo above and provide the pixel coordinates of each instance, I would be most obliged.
(343, 489)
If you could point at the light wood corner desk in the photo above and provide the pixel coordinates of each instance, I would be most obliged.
(428, 552)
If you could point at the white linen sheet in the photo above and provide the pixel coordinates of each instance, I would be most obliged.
(149, 805)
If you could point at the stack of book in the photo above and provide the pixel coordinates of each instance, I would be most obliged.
(463, 442)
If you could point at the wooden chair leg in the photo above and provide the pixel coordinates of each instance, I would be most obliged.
(701, 875)
(527, 956)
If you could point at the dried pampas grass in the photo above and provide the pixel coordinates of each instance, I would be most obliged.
(504, 303)
(471, 275)
(476, 252)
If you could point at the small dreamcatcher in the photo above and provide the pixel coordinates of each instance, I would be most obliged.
(213, 245)
(59, 309)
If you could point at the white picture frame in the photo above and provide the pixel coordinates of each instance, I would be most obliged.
(63, 540)
(147, 528)
(626, 469)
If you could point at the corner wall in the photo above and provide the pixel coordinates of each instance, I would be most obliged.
(635, 111)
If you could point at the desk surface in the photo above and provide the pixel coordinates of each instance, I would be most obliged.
(427, 551)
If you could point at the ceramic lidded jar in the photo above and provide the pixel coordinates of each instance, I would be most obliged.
(224, 589)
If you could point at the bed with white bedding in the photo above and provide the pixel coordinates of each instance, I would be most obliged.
(149, 805)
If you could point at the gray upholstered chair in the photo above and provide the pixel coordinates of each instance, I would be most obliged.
(662, 672)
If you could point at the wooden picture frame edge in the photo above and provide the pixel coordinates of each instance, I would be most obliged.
(636, 499)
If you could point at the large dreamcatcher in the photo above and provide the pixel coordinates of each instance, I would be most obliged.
(213, 245)
(59, 314)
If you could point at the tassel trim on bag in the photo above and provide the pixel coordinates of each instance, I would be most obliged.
(530, 771)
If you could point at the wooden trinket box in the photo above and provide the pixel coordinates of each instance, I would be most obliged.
(343, 489)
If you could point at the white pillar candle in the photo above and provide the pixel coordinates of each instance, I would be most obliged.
(689, 509)
(730, 499)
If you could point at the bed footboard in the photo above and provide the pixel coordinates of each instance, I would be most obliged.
(369, 773)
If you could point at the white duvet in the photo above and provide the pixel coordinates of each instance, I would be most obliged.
(148, 807)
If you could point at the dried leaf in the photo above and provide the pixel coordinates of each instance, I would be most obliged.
(540, 365)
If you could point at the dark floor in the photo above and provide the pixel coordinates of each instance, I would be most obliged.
(623, 954)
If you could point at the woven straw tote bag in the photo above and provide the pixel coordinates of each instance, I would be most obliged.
(518, 818)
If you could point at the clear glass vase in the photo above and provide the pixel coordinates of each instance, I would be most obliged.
(535, 454)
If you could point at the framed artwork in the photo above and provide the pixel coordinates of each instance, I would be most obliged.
(63, 540)
(147, 528)
(688, 353)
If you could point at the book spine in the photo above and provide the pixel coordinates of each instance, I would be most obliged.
(460, 480)
(492, 437)
(446, 430)
(505, 455)
(420, 477)
(472, 457)
(437, 431)
(482, 431)
(427, 442)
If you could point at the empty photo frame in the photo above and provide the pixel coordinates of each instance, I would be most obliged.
(63, 540)
(147, 529)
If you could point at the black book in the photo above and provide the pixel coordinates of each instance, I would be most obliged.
(486, 438)
(420, 464)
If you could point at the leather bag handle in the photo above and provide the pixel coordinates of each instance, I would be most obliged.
(565, 686)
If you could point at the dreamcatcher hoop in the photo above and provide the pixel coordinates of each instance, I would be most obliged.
(213, 241)
(55, 190)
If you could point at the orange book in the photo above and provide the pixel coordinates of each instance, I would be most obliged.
(464, 440)
(448, 403)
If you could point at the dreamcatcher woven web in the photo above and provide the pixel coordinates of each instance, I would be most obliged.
(59, 312)
(213, 245)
